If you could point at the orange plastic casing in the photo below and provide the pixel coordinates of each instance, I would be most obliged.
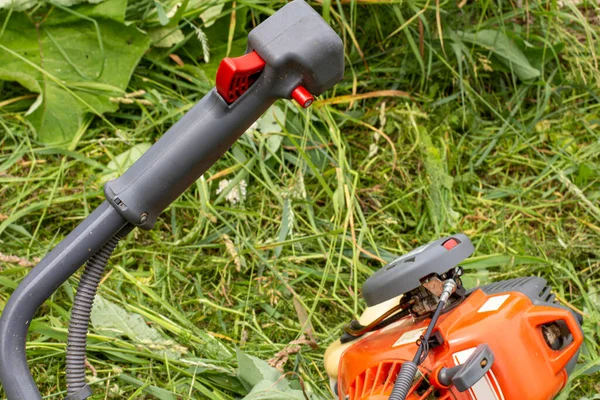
(524, 367)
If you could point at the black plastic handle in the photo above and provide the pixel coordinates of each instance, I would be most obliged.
(298, 47)
(62, 262)
(184, 153)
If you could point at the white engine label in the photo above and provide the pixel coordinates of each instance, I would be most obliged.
(487, 388)
(409, 337)
(493, 303)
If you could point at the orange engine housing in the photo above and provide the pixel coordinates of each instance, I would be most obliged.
(525, 367)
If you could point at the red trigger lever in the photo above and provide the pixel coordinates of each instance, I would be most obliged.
(236, 75)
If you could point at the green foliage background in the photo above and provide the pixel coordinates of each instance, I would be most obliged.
(481, 117)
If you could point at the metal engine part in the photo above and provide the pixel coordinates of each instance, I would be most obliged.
(423, 266)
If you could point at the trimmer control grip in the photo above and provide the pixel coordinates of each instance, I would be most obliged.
(467, 374)
(294, 48)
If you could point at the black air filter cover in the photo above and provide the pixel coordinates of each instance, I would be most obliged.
(404, 273)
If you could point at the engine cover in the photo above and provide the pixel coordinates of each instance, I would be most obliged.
(513, 317)
(406, 272)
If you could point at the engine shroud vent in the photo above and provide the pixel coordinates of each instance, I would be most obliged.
(377, 381)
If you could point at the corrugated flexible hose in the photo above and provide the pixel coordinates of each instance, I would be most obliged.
(404, 381)
(406, 376)
(77, 388)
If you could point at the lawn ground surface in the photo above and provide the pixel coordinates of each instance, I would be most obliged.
(477, 117)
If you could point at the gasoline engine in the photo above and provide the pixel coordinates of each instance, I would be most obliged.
(424, 336)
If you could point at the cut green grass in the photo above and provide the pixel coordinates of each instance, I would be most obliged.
(331, 192)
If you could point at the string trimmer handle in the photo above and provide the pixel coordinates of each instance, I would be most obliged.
(294, 53)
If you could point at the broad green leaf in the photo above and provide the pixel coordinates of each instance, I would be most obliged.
(269, 124)
(264, 381)
(271, 121)
(507, 52)
(540, 56)
(273, 142)
(110, 319)
(123, 161)
(209, 15)
(109, 9)
(62, 59)
(177, 12)
(23, 79)
(162, 15)
(17, 5)
(20, 5)
(166, 37)
(28, 82)
(267, 390)
(252, 370)
(59, 116)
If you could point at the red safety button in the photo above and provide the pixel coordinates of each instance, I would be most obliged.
(450, 244)
(303, 96)
(236, 75)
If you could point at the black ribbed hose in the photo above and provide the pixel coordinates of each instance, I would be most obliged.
(404, 381)
(77, 388)
(406, 376)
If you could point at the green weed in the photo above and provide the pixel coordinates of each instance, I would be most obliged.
(492, 129)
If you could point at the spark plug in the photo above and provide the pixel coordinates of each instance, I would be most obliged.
(449, 288)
